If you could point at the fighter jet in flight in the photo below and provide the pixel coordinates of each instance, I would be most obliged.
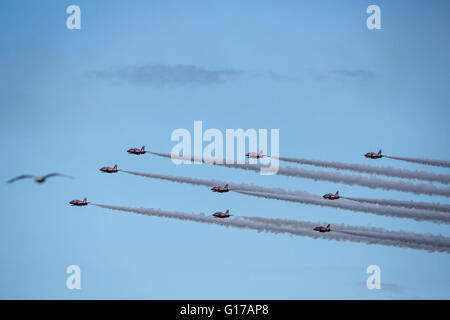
(331, 196)
(137, 151)
(39, 179)
(109, 169)
(79, 203)
(222, 214)
(323, 229)
(220, 189)
(255, 155)
(373, 155)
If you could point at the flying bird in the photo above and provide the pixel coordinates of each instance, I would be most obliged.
(38, 179)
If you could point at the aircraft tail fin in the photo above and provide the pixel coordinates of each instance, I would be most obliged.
(226, 186)
(328, 226)
(85, 199)
(337, 192)
(115, 166)
(227, 211)
(379, 152)
(143, 148)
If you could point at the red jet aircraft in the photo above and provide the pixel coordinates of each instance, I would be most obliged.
(222, 214)
(109, 169)
(137, 151)
(79, 203)
(322, 229)
(220, 189)
(255, 155)
(373, 155)
(331, 196)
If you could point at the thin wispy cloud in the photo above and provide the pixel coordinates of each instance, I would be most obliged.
(354, 74)
(159, 75)
(323, 75)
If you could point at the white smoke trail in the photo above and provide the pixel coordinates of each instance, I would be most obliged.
(377, 234)
(385, 171)
(370, 182)
(429, 162)
(406, 204)
(306, 198)
(418, 215)
(403, 240)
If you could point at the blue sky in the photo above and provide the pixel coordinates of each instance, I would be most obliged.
(311, 69)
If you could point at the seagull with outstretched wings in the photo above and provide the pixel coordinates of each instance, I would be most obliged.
(38, 179)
